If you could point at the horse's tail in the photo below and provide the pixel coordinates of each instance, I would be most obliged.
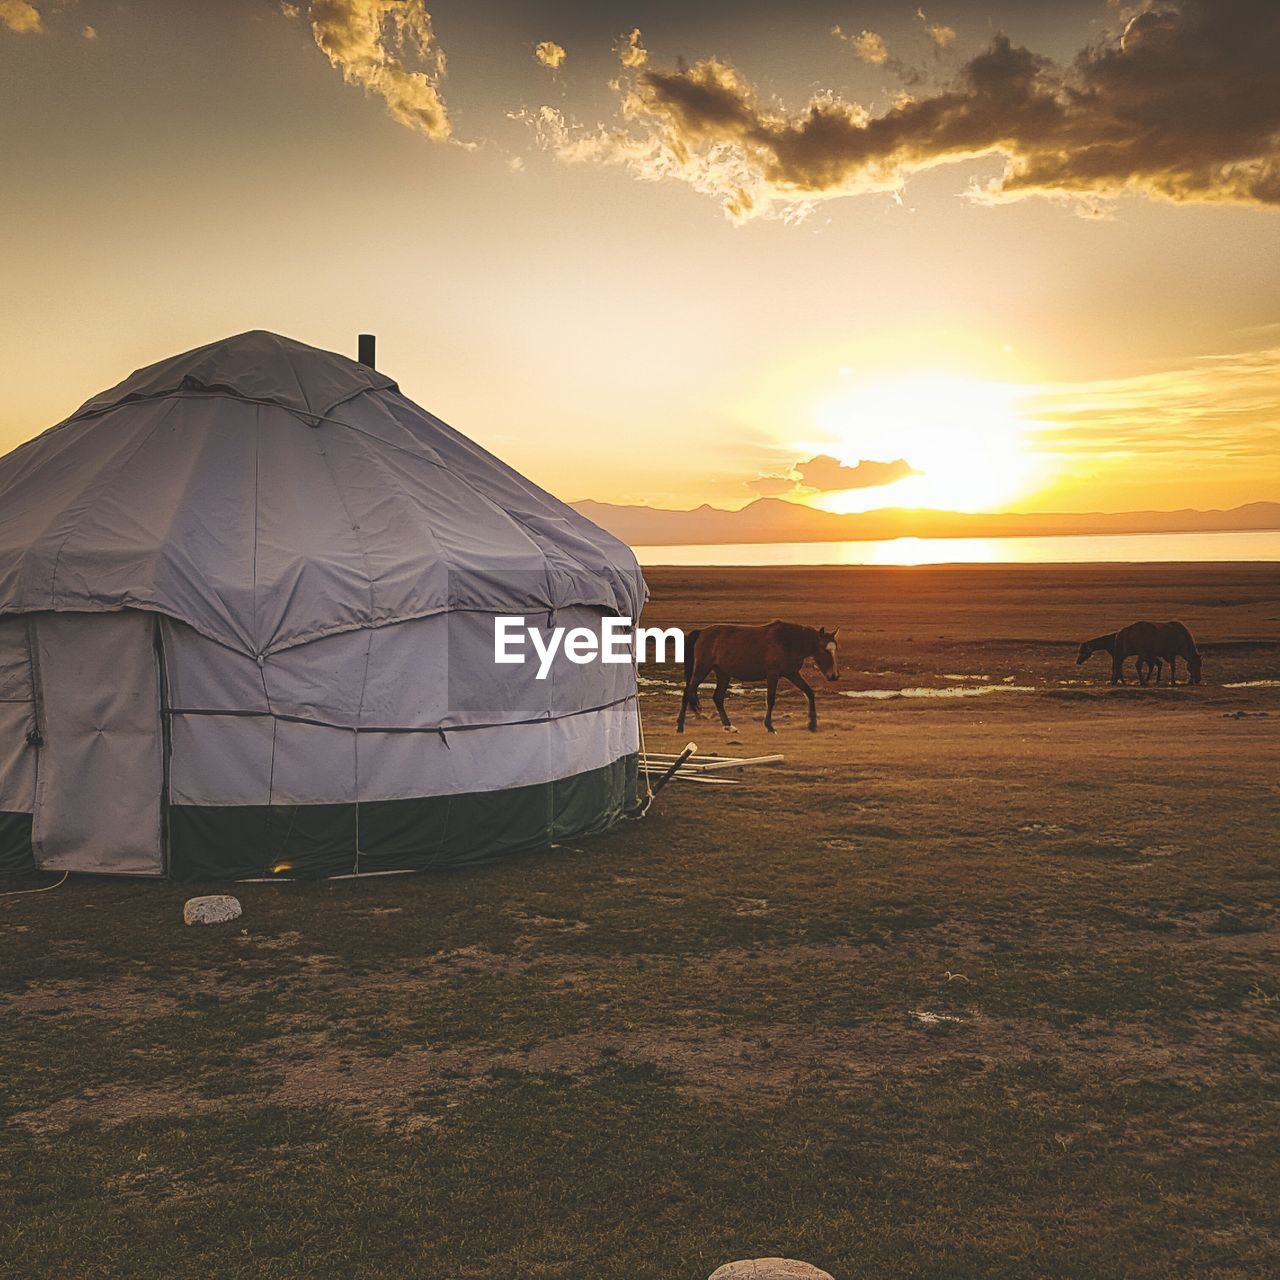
(688, 697)
(690, 643)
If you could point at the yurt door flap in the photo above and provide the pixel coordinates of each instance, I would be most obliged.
(100, 771)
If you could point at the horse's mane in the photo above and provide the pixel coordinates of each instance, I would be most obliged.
(796, 630)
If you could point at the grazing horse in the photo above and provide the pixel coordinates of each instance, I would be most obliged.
(769, 652)
(1149, 642)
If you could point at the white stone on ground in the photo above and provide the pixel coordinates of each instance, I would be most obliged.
(217, 908)
(769, 1269)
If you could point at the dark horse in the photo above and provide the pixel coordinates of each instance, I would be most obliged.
(1149, 642)
(767, 652)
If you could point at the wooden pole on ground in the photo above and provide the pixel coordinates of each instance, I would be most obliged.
(670, 773)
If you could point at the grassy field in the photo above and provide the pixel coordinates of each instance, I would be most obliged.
(974, 984)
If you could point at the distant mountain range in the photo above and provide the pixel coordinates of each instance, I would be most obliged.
(775, 520)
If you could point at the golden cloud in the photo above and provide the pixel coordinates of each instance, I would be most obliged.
(825, 474)
(1216, 408)
(828, 474)
(942, 36)
(369, 40)
(20, 17)
(772, 486)
(550, 54)
(869, 46)
(631, 52)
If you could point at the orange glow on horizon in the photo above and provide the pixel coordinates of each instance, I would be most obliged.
(965, 437)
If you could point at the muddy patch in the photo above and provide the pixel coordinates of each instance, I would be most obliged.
(946, 692)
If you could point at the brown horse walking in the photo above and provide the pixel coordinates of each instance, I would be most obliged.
(1149, 642)
(769, 652)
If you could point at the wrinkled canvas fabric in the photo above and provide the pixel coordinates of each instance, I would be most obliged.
(257, 580)
(101, 773)
(267, 494)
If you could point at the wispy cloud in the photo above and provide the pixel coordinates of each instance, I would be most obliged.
(868, 46)
(772, 486)
(942, 36)
(716, 170)
(372, 43)
(1215, 408)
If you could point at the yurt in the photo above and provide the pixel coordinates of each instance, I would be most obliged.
(247, 617)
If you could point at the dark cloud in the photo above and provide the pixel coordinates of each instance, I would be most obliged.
(1183, 102)
(823, 474)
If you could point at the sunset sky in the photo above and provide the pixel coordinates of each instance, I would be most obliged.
(1010, 255)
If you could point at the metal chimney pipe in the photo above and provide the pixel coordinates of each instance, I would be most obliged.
(368, 347)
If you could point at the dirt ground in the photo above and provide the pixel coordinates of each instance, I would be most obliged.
(979, 981)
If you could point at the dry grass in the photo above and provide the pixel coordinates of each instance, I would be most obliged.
(968, 987)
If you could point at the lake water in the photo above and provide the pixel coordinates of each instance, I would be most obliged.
(1117, 548)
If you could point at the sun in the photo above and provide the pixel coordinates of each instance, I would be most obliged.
(964, 437)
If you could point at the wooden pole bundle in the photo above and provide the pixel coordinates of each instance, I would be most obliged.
(669, 771)
(690, 767)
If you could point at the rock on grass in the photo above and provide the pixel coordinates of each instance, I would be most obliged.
(769, 1269)
(217, 908)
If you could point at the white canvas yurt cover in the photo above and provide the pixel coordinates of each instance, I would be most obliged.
(247, 605)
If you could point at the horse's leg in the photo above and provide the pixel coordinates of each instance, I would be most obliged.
(1173, 668)
(690, 698)
(1117, 669)
(1159, 670)
(722, 684)
(772, 697)
(1145, 667)
(684, 704)
(803, 685)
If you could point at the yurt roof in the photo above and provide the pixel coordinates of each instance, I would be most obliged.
(257, 366)
(268, 493)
